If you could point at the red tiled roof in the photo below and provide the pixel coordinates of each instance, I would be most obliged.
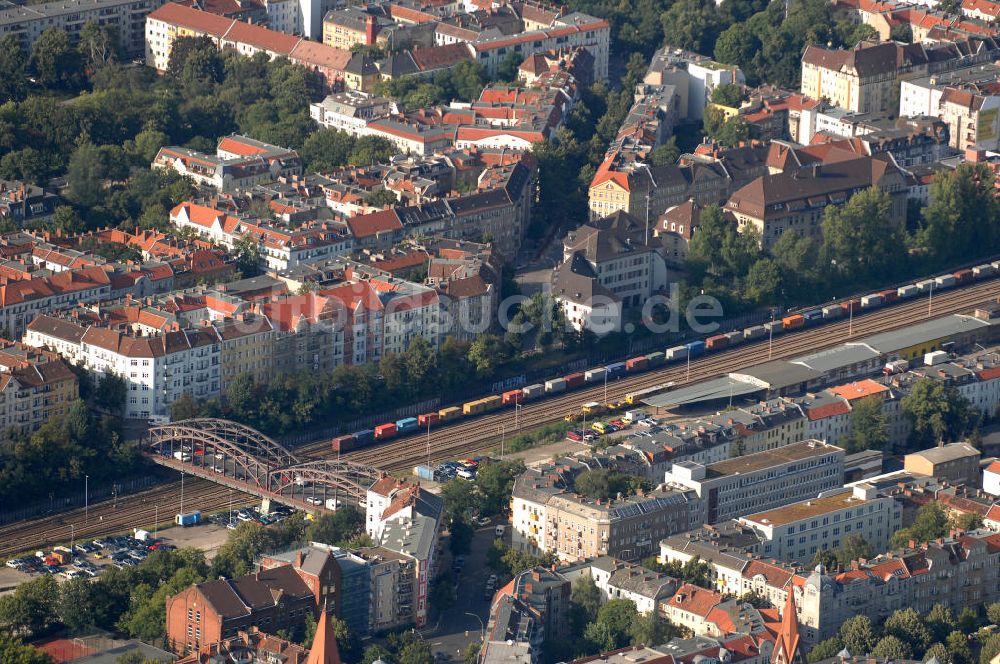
(859, 389)
(374, 223)
(693, 599)
(262, 38)
(828, 410)
(193, 19)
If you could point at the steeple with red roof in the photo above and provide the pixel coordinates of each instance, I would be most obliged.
(786, 644)
(324, 645)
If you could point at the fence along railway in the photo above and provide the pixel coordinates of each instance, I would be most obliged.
(242, 458)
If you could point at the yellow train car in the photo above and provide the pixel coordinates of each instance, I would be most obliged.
(449, 413)
(633, 398)
(492, 403)
(473, 407)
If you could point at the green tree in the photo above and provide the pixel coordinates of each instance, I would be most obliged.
(939, 651)
(415, 652)
(371, 150)
(961, 220)
(930, 522)
(66, 219)
(693, 25)
(248, 255)
(460, 537)
(13, 651)
(184, 408)
(869, 427)
(146, 144)
(13, 70)
(335, 528)
(891, 648)
(495, 482)
(326, 149)
(508, 68)
(56, 63)
(727, 94)
(202, 71)
(85, 175)
(381, 198)
(957, 644)
(938, 412)
(990, 649)
(31, 608)
(374, 652)
(665, 154)
(763, 283)
(652, 629)
(98, 45)
(907, 626)
(940, 620)
(825, 650)
(74, 605)
(110, 392)
(993, 613)
(611, 630)
(729, 132)
(486, 353)
(858, 634)
(586, 599)
(861, 240)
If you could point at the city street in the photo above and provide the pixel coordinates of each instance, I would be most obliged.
(456, 628)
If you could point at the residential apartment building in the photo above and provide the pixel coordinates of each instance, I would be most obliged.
(533, 608)
(239, 163)
(21, 301)
(795, 532)
(796, 200)
(761, 481)
(21, 202)
(34, 387)
(619, 579)
(126, 17)
(693, 76)
(967, 100)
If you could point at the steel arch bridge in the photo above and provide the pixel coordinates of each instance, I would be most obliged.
(240, 457)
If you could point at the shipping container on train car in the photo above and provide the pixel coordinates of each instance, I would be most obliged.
(555, 385)
(774, 327)
(996, 266)
(871, 301)
(511, 397)
(616, 370)
(656, 359)
(735, 337)
(908, 291)
(812, 316)
(793, 322)
(449, 413)
(636, 363)
(925, 285)
(982, 271)
(532, 391)
(406, 425)
(364, 437)
(594, 375)
(832, 311)
(716, 342)
(573, 380)
(695, 348)
(428, 419)
(963, 276)
(344, 443)
(492, 403)
(944, 281)
(472, 407)
(384, 431)
(676, 353)
(889, 296)
(754, 332)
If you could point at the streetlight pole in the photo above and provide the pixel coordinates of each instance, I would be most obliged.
(930, 298)
(482, 627)
(86, 498)
(517, 419)
(502, 433)
(688, 379)
(770, 336)
(850, 319)
(605, 387)
(72, 538)
(428, 442)
(156, 517)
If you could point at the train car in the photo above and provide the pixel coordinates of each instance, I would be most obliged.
(908, 291)
(812, 316)
(925, 285)
(594, 375)
(695, 348)
(963, 276)
(754, 332)
(832, 311)
(344, 443)
(793, 322)
(774, 327)
(472, 407)
(449, 413)
(616, 370)
(634, 364)
(637, 396)
(717, 342)
(573, 380)
(428, 419)
(511, 397)
(385, 431)
(889, 296)
(944, 281)
(983, 271)
(871, 301)
(996, 266)
(406, 425)
(555, 385)
(364, 437)
(492, 403)
(676, 353)
(735, 337)
(656, 359)
(593, 408)
(532, 392)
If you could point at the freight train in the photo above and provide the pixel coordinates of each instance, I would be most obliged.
(797, 320)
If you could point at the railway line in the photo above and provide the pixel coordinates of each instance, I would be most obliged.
(481, 434)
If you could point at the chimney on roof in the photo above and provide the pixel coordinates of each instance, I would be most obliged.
(299, 558)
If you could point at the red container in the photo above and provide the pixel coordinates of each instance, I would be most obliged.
(717, 342)
(963, 276)
(512, 397)
(793, 322)
(344, 443)
(384, 431)
(573, 380)
(636, 364)
(428, 418)
(889, 296)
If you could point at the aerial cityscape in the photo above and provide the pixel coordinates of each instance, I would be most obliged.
(500, 332)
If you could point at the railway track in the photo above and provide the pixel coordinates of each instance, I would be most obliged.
(482, 434)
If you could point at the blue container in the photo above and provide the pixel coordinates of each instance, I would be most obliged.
(364, 437)
(406, 424)
(615, 370)
(695, 348)
(812, 316)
